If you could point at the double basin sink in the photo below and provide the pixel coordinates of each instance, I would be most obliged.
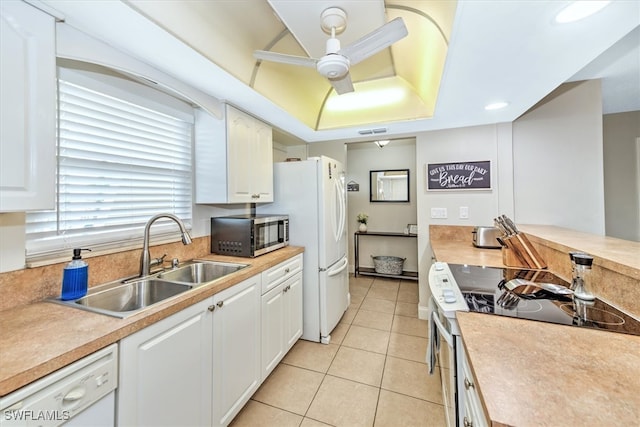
(120, 299)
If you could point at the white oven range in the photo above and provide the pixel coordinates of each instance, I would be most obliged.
(445, 343)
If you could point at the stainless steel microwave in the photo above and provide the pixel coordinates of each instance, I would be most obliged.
(249, 235)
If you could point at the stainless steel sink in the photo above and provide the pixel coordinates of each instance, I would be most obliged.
(123, 299)
(126, 299)
(200, 272)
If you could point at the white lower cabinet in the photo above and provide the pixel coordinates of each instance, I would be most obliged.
(200, 366)
(236, 348)
(165, 373)
(292, 311)
(272, 330)
(473, 413)
(281, 311)
(281, 321)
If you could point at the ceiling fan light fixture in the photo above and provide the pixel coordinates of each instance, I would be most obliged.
(382, 143)
(333, 66)
(579, 10)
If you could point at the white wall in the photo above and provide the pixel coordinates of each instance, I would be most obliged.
(622, 175)
(393, 217)
(558, 160)
(493, 143)
(333, 149)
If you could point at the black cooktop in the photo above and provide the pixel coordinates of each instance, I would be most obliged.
(486, 290)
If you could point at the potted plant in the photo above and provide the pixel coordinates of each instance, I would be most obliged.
(362, 219)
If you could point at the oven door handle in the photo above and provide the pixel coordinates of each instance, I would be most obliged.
(443, 332)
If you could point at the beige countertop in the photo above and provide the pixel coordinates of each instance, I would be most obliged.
(37, 339)
(531, 373)
(456, 252)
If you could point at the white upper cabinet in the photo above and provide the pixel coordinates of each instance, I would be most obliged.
(27, 113)
(234, 159)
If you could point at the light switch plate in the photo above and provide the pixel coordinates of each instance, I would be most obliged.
(438, 213)
(464, 212)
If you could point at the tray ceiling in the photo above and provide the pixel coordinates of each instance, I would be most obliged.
(227, 32)
(496, 50)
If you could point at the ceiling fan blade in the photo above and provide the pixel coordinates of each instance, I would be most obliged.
(264, 55)
(342, 85)
(375, 41)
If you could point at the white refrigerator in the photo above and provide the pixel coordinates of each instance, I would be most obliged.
(313, 193)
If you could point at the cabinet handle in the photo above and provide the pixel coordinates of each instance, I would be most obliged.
(211, 307)
(255, 196)
(467, 423)
(467, 384)
(220, 303)
(287, 288)
(286, 270)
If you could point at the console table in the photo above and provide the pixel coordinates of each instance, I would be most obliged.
(367, 271)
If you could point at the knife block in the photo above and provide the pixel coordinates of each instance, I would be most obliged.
(511, 259)
(519, 252)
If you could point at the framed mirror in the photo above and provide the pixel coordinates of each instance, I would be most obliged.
(391, 185)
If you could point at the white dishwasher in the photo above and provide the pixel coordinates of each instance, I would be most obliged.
(80, 394)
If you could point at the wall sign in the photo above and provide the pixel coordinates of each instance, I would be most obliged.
(459, 176)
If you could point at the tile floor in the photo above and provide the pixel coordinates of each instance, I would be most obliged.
(373, 373)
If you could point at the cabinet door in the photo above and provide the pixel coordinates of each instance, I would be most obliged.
(473, 413)
(166, 371)
(292, 311)
(262, 163)
(273, 334)
(236, 348)
(28, 108)
(240, 168)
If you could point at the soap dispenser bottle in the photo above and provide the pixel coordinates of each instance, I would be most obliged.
(75, 277)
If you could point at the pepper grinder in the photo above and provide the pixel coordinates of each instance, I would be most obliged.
(573, 269)
(583, 277)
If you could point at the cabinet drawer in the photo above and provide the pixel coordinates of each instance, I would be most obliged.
(277, 274)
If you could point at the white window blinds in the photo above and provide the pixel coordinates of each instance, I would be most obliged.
(119, 163)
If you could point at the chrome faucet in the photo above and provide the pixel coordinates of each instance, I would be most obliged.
(145, 259)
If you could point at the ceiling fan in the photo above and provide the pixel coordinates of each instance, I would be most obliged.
(334, 65)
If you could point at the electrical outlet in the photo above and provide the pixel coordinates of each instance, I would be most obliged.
(464, 212)
(439, 213)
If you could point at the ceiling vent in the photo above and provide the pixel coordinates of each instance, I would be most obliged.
(372, 131)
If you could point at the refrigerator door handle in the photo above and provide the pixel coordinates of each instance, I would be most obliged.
(341, 208)
(339, 269)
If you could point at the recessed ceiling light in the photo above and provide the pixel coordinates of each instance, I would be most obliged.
(579, 10)
(365, 100)
(496, 105)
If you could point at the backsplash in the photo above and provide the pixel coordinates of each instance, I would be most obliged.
(35, 284)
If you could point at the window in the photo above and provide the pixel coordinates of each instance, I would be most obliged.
(124, 155)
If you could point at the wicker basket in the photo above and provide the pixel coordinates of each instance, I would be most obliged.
(388, 264)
